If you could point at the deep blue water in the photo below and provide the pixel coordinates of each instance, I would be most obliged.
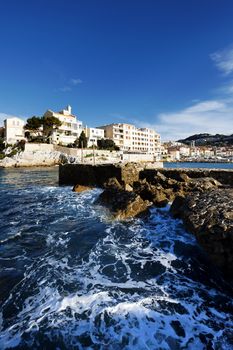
(198, 165)
(72, 279)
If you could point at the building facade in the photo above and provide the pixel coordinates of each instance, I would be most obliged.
(93, 135)
(14, 130)
(70, 129)
(132, 139)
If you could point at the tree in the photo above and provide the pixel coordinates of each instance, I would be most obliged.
(107, 144)
(49, 124)
(2, 144)
(33, 124)
(82, 140)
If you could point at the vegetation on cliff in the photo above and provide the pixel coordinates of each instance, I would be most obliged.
(209, 140)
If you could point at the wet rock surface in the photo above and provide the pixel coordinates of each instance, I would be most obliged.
(80, 188)
(123, 204)
(209, 216)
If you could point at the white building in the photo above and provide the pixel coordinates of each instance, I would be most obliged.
(93, 135)
(70, 129)
(132, 139)
(14, 130)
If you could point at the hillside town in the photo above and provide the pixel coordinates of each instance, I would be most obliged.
(125, 137)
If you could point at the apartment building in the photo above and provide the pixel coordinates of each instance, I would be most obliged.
(130, 138)
(70, 129)
(14, 130)
(93, 135)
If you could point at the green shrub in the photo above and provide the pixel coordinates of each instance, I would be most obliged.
(13, 153)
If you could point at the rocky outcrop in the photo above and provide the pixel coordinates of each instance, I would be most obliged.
(201, 200)
(122, 204)
(209, 216)
(161, 189)
(80, 188)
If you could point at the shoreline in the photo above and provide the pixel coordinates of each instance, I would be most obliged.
(206, 195)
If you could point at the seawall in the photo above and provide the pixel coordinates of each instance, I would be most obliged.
(97, 175)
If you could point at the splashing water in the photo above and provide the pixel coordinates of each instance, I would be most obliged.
(72, 279)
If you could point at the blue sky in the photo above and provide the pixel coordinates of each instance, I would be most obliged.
(167, 64)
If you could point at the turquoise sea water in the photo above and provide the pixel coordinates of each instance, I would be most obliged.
(72, 279)
(198, 165)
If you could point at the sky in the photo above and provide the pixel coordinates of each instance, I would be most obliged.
(164, 64)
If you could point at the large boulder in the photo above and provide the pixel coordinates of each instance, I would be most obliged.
(209, 216)
(152, 193)
(113, 183)
(122, 204)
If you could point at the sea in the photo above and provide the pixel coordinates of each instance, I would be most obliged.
(190, 165)
(70, 278)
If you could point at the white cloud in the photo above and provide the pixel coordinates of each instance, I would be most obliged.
(212, 116)
(70, 84)
(224, 60)
(74, 81)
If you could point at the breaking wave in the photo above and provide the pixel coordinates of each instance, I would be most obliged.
(72, 279)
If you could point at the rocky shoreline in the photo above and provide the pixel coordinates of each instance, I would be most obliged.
(203, 203)
(209, 216)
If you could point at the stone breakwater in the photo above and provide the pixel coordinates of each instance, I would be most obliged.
(203, 199)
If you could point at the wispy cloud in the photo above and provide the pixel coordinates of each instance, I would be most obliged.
(75, 81)
(208, 116)
(70, 84)
(211, 116)
(223, 59)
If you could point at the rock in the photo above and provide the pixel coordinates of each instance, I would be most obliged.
(177, 206)
(80, 188)
(122, 204)
(182, 177)
(128, 188)
(143, 189)
(209, 216)
(113, 183)
(203, 184)
(160, 177)
(159, 199)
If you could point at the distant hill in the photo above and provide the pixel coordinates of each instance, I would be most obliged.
(209, 140)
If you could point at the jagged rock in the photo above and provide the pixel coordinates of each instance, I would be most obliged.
(203, 184)
(113, 183)
(128, 188)
(122, 204)
(170, 194)
(209, 216)
(143, 189)
(177, 206)
(159, 198)
(80, 188)
(183, 178)
(160, 177)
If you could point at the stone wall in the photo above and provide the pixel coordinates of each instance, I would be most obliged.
(130, 157)
(87, 175)
(33, 147)
(83, 174)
